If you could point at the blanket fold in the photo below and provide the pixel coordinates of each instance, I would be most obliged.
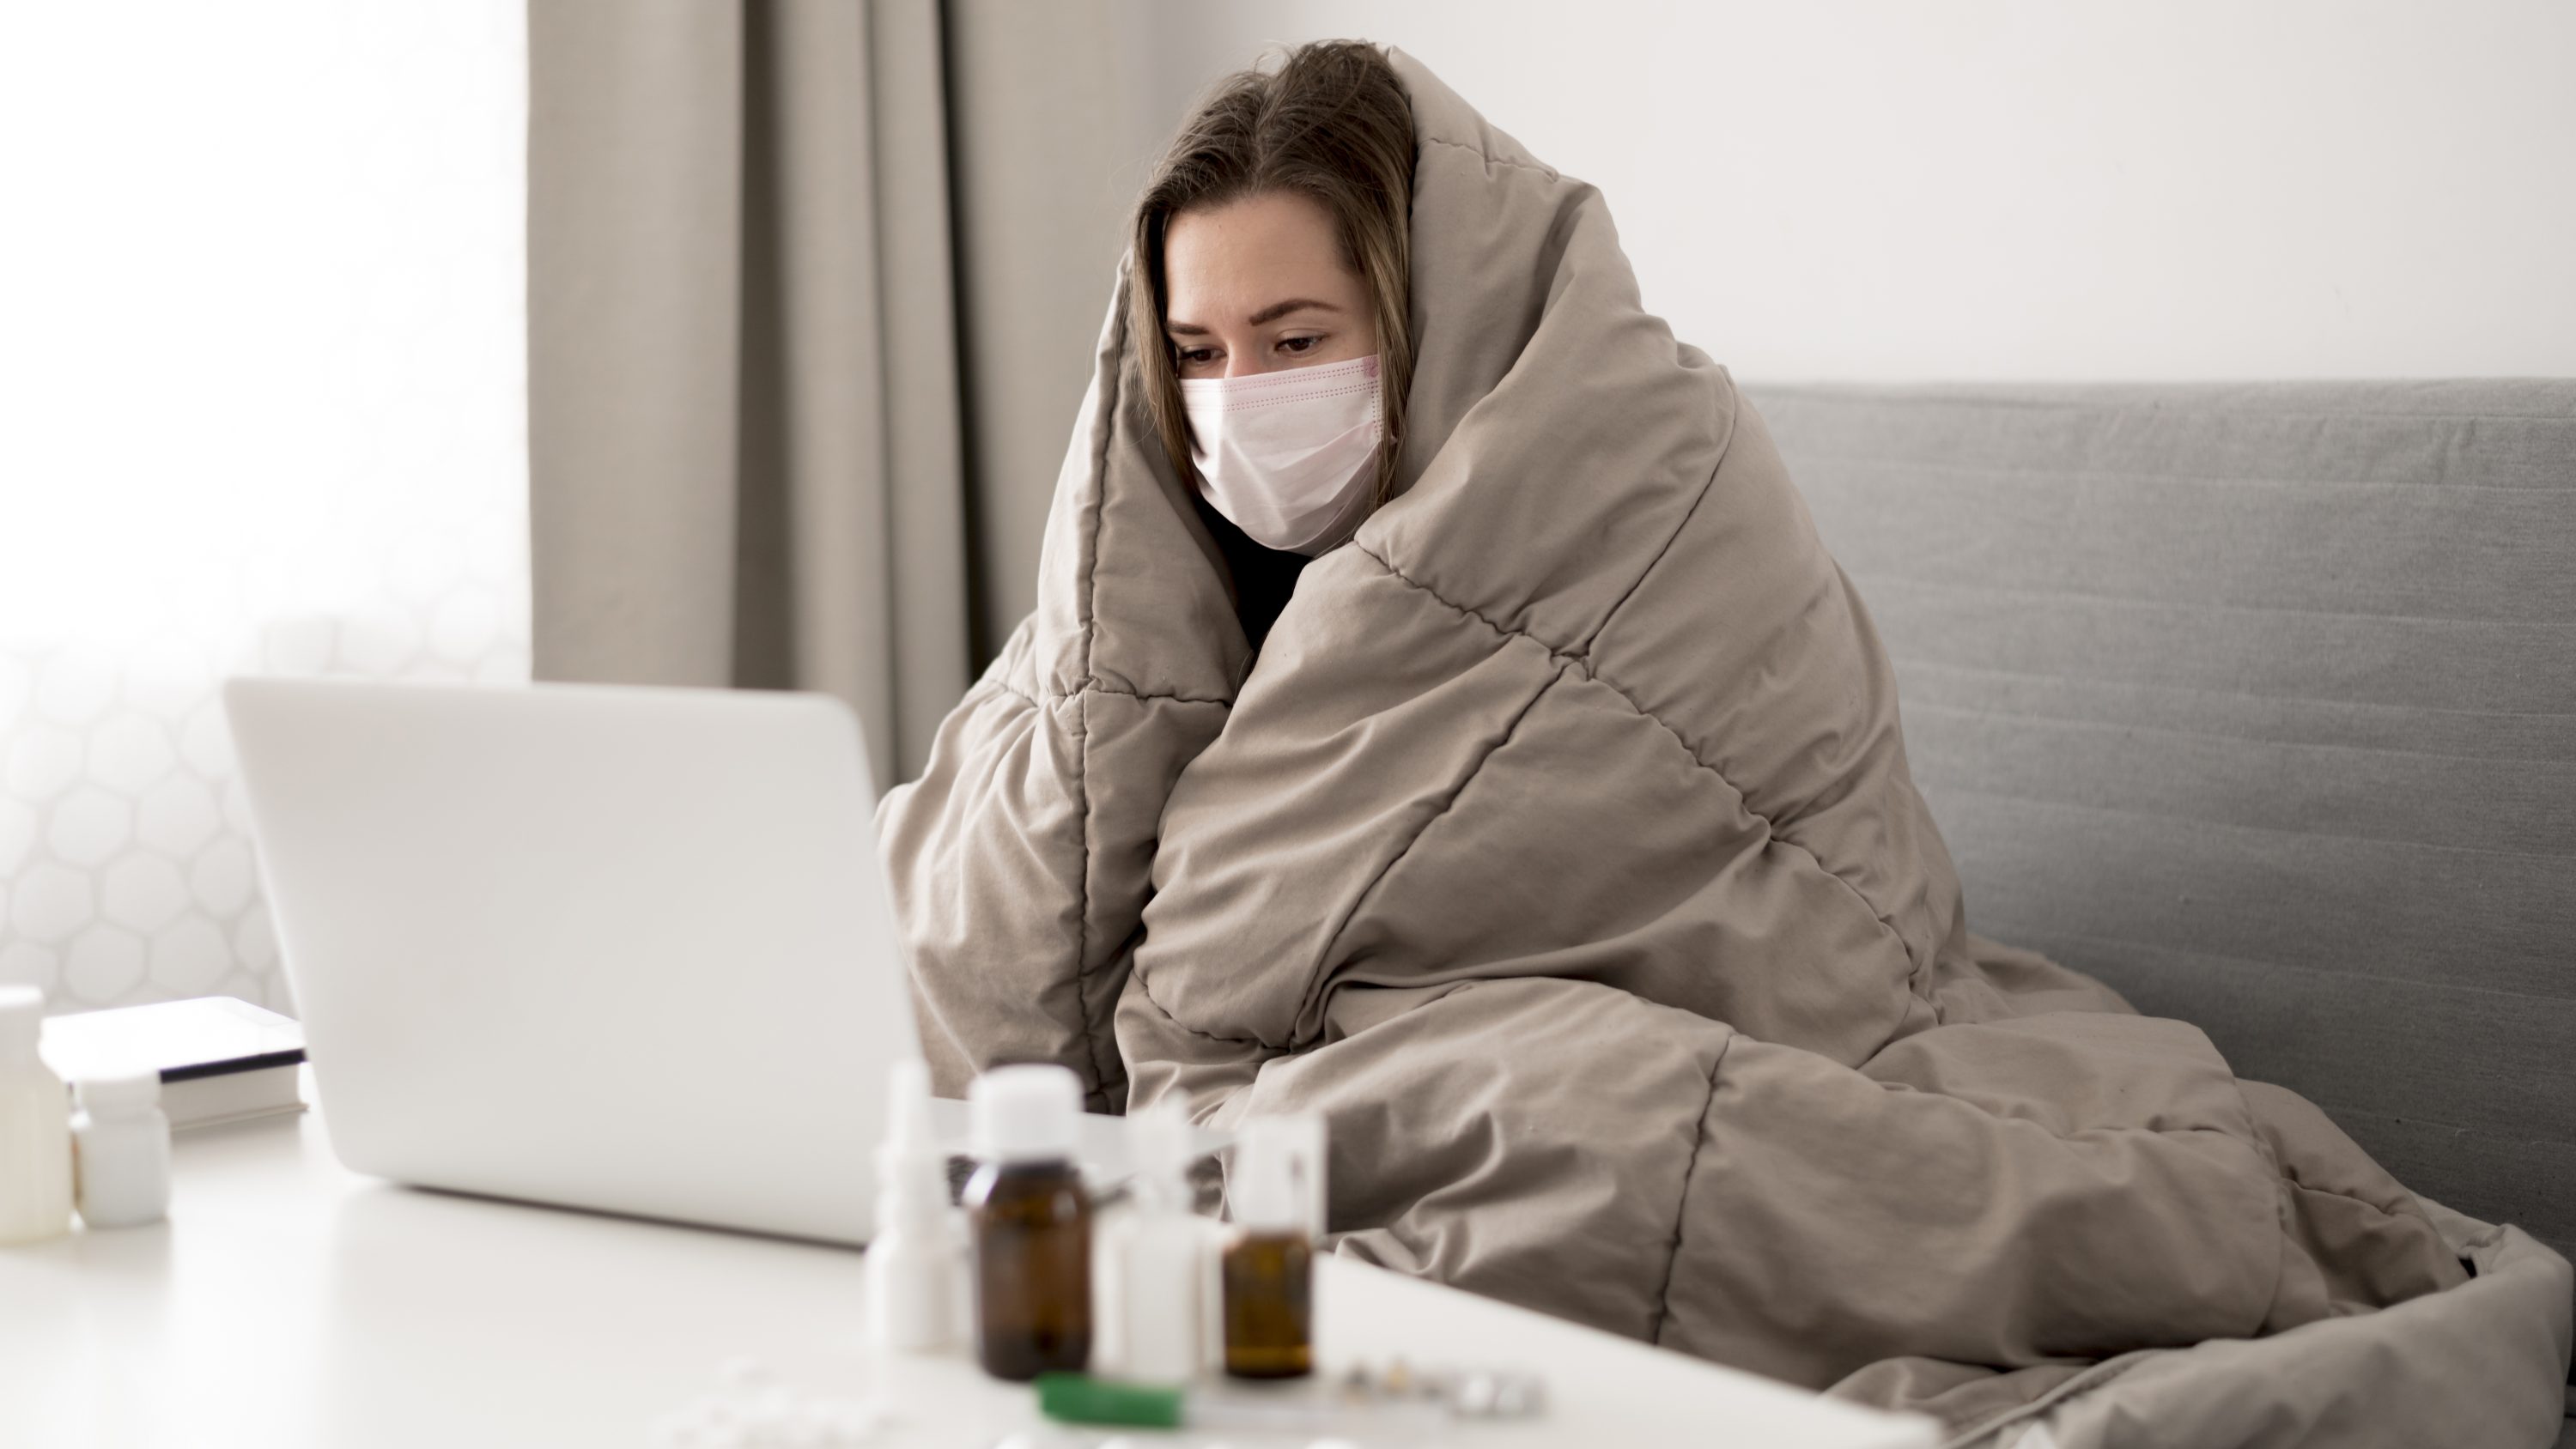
(1560, 849)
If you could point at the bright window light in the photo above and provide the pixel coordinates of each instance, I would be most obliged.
(262, 409)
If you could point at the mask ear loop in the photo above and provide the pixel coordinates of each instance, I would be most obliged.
(1390, 444)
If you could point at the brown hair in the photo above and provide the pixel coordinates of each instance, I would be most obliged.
(1332, 123)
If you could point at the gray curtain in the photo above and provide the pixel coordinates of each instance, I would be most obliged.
(744, 426)
(786, 429)
(1058, 112)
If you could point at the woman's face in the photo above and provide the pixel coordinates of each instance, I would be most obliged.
(1258, 285)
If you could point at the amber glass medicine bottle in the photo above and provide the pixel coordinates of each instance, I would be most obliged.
(1268, 1268)
(1030, 1222)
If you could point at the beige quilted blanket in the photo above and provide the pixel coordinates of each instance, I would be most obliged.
(1560, 850)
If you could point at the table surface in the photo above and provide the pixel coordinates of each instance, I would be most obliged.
(289, 1302)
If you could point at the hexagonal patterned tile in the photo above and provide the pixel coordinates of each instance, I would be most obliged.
(104, 964)
(43, 761)
(49, 902)
(191, 957)
(178, 816)
(17, 835)
(224, 877)
(206, 743)
(89, 825)
(255, 941)
(129, 752)
(24, 963)
(237, 808)
(127, 870)
(144, 892)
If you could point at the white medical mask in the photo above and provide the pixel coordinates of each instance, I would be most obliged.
(1290, 457)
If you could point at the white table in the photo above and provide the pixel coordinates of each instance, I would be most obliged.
(289, 1303)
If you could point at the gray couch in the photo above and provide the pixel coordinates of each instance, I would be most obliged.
(2258, 702)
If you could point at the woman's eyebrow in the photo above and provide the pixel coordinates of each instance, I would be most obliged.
(1271, 313)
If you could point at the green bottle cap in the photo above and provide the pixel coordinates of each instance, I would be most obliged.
(1082, 1399)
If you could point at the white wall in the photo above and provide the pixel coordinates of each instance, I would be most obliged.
(2028, 189)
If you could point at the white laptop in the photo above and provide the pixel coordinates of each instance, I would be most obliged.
(603, 946)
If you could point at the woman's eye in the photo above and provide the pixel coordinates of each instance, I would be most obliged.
(1195, 356)
(1300, 344)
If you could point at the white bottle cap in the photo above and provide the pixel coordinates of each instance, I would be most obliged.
(1265, 1192)
(1163, 1143)
(909, 1130)
(119, 1094)
(22, 1020)
(1028, 1113)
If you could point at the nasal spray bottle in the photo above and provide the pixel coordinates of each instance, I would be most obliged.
(1160, 1259)
(916, 1264)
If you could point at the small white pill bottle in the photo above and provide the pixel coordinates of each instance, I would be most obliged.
(121, 1150)
(35, 1126)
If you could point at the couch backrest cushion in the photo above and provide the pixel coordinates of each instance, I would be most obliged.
(2257, 701)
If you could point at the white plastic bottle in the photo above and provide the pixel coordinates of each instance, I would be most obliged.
(916, 1264)
(35, 1126)
(121, 1150)
(1160, 1261)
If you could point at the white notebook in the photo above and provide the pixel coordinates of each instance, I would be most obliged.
(221, 1059)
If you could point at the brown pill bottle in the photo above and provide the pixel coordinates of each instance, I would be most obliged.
(1030, 1222)
(1268, 1269)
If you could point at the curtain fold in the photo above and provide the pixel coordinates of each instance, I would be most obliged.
(746, 461)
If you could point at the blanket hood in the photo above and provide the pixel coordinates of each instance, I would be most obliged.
(1530, 336)
(1560, 442)
(1597, 571)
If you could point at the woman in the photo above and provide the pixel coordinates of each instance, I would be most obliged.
(1558, 845)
